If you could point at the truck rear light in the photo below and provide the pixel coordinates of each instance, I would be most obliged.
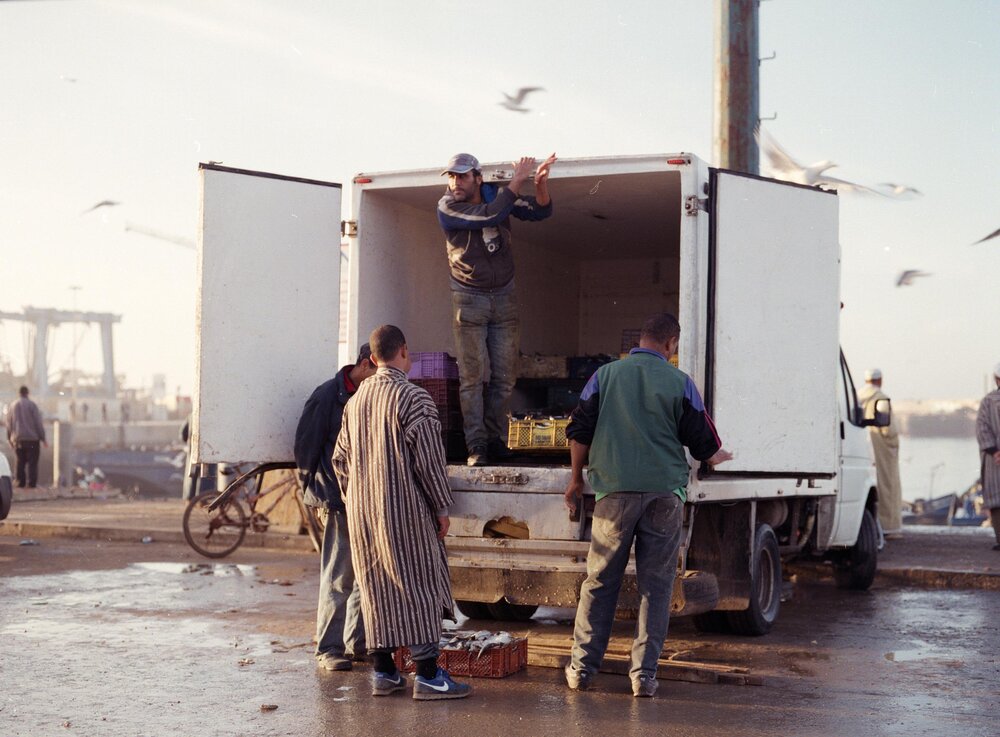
(362, 180)
(678, 162)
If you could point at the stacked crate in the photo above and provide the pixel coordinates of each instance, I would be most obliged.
(437, 373)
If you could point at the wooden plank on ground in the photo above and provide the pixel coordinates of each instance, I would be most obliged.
(552, 655)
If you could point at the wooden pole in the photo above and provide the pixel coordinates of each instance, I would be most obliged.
(737, 102)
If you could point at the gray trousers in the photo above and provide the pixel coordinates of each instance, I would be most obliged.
(653, 521)
(340, 628)
(486, 326)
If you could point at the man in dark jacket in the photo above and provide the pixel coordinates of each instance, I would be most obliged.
(25, 432)
(340, 633)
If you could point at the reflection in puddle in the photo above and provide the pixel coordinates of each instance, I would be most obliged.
(205, 569)
(922, 651)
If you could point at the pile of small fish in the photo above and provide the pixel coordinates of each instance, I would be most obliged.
(476, 642)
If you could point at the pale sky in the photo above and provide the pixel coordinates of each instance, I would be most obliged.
(120, 100)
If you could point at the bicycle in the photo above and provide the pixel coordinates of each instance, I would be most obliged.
(215, 524)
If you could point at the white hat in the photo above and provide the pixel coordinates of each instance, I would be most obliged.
(873, 374)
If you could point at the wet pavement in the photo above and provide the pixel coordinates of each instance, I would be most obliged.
(123, 639)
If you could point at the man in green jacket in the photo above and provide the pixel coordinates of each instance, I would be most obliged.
(633, 422)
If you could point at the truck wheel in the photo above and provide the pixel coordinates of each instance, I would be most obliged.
(504, 610)
(765, 587)
(473, 609)
(856, 569)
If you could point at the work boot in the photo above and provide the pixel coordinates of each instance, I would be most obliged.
(329, 661)
(477, 456)
(439, 687)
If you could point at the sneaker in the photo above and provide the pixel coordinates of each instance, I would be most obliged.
(334, 662)
(439, 687)
(578, 680)
(997, 546)
(384, 684)
(644, 686)
(477, 456)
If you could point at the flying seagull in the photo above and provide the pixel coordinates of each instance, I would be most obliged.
(102, 203)
(515, 102)
(994, 234)
(906, 278)
(900, 190)
(783, 166)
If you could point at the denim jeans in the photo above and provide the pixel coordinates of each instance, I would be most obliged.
(340, 628)
(485, 326)
(654, 522)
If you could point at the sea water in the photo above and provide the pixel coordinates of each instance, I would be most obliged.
(931, 467)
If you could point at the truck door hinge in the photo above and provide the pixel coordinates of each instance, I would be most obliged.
(349, 228)
(692, 204)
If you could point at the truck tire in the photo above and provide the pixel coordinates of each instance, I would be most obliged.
(505, 611)
(765, 587)
(856, 569)
(6, 496)
(473, 609)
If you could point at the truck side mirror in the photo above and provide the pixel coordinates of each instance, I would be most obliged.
(883, 414)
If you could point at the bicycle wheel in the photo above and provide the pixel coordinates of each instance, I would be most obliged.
(217, 533)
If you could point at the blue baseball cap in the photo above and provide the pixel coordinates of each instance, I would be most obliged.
(461, 163)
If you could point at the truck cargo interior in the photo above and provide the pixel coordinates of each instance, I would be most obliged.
(586, 277)
(606, 259)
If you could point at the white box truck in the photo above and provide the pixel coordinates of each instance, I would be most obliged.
(751, 267)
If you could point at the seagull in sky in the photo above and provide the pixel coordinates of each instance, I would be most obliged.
(783, 166)
(994, 234)
(102, 203)
(514, 102)
(900, 190)
(906, 278)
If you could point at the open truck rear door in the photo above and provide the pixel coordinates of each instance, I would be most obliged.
(268, 310)
(773, 325)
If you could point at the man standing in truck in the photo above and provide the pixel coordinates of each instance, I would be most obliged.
(476, 220)
(340, 633)
(885, 445)
(633, 422)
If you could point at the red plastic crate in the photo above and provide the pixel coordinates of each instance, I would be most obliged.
(444, 392)
(433, 366)
(497, 662)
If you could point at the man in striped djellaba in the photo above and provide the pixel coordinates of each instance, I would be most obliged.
(390, 463)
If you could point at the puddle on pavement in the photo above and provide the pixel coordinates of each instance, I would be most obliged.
(205, 569)
(118, 652)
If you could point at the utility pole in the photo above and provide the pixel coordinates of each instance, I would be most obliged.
(737, 99)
